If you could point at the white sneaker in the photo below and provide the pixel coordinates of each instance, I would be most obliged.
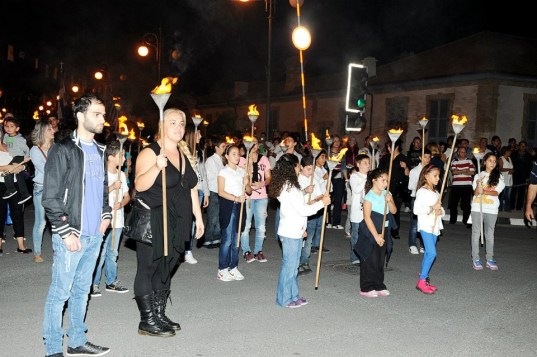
(422, 250)
(236, 274)
(329, 225)
(224, 275)
(189, 258)
(339, 226)
(413, 250)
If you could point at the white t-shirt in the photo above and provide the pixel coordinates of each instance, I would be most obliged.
(425, 199)
(233, 180)
(112, 198)
(490, 203)
(357, 184)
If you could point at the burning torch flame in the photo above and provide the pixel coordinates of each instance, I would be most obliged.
(475, 150)
(229, 140)
(197, 116)
(106, 123)
(122, 125)
(132, 135)
(339, 156)
(315, 143)
(252, 110)
(396, 131)
(165, 86)
(248, 138)
(459, 120)
(327, 134)
(424, 118)
(140, 125)
(36, 115)
(376, 139)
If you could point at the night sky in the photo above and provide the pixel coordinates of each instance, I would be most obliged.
(217, 42)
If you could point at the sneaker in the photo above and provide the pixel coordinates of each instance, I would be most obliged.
(24, 199)
(314, 250)
(356, 262)
(422, 250)
(339, 226)
(413, 250)
(325, 250)
(116, 287)
(491, 264)
(88, 349)
(347, 234)
(249, 257)
(236, 274)
(369, 294)
(260, 257)
(224, 275)
(383, 292)
(95, 291)
(302, 301)
(327, 226)
(293, 305)
(38, 259)
(189, 258)
(9, 195)
(478, 265)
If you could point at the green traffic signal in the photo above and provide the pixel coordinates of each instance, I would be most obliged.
(360, 103)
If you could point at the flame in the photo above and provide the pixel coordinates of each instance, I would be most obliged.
(106, 123)
(123, 130)
(144, 143)
(140, 125)
(475, 150)
(315, 142)
(165, 86)
(248, 138)
(36, 115)
(396, 131)
(339, 156)
(252, 110)
(197, 116)
(327, 134)
(132, 135)
(205, 122)
(424, 119)
(376, 139)
(461, 120)
(229, 140)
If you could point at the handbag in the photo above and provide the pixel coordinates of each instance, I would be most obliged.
(138, 224)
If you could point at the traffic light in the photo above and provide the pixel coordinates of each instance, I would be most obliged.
(356, 89)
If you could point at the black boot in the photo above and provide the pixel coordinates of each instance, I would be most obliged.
(149, 324)
(161, 297)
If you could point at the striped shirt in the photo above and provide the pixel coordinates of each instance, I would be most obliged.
(462, 179)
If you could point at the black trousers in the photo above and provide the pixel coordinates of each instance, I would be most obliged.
(148, 275)
(462, 194)
(372, 270)
(16, 212)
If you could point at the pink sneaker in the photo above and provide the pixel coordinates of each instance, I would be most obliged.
(383, 292)
(424, 287)
(369, 294)
(433, 287)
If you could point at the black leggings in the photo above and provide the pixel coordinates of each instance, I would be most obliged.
(148, 276)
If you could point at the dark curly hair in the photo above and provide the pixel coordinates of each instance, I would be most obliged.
(494, 176)
(373, 175)
(283, 174)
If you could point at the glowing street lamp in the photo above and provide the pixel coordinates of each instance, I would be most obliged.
(153, 40)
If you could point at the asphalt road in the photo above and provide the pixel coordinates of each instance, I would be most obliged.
(489, 313)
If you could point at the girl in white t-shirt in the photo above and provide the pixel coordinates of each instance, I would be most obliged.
(232, 185)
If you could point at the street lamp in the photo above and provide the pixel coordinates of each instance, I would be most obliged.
(269, 8)
(153, 40)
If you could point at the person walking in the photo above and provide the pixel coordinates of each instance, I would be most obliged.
(413, 180)
(294, 211)
(213, 165)
(428, 208)
(42, 140)
(357, 180)
(463, 170)
(76, 204)
(488, 185)
(506, 168)
(118, 197)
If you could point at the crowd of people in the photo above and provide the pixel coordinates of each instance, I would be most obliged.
(87, 192)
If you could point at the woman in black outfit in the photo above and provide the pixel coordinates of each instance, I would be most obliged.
(153, 274)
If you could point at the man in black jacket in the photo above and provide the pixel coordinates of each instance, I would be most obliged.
(75, 198)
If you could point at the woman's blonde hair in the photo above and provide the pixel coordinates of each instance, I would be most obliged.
(38, 134)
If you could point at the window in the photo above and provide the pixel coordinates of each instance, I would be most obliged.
(531, 123)
(438, 112)
(397, 112)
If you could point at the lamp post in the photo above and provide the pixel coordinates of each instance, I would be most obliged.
(153, 40)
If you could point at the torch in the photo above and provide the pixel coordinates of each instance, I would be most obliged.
(458, 124)
(160, 96)
(423, 123)
(141, 127)
(374, 145)
(122, 136)
(315, 150)
(248, 142)
(253, 114)
(329, 141)
(479, 156)
(197, 119)
(394, 135)
(332, 162)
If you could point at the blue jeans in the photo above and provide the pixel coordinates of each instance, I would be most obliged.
(413, 230)
(277, 222)
(228, 256)
(314, 234)
(429, 241)
(287, 289)
(354, 240)
(193, 234)
(505, 198)
(212, 230)
(259, 212)
(39, 221)
(108, 258)
(71, 280)
(316, 231)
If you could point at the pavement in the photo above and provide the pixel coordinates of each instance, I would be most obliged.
(490, 313)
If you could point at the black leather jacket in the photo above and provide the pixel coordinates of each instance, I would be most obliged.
(63, 187)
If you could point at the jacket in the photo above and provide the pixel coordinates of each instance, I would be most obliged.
(366, 243)
(63, 190)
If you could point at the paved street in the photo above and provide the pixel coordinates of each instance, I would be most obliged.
(473, 313)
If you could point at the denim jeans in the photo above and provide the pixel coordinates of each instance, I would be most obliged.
(287, 289)
(212, 231)
(277, 222)
(429, 241)
(259, 212)
(354, 240)
(193, 234)
(108, 258)
(39, 221)
(228, 256)
(71, 280)
(505, 198)
(413, 229)
(314, 232)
